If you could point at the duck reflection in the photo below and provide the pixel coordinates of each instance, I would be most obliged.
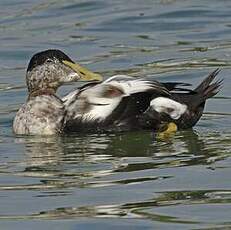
(106, 153)
(63, 156)
(146, 145)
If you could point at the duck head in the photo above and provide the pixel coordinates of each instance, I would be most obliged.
(49, 69)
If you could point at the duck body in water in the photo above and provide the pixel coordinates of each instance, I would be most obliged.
(123, 103)
(120, 103)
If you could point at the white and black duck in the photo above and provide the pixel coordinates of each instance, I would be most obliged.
(44, 113)
(192, 100)
(123, 103)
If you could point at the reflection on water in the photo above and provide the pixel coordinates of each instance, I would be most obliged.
(185, 148)
(127, 180)
(93, 162)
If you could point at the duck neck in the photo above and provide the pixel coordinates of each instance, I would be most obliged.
(39, 92)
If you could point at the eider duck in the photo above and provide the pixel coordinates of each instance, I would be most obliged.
(44, 113)
(123, 103)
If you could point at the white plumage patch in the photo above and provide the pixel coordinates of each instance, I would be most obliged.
(131, 85)
(101, 112)
(99, 101)
(165, 105)
(91, 104)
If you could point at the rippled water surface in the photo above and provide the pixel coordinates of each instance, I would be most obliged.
(118, 181)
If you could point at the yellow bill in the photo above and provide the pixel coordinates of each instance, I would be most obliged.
(171, 128)
(85, 74)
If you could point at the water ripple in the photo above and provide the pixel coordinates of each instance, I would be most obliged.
(181, 182)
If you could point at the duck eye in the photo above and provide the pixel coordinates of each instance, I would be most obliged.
(48, 61)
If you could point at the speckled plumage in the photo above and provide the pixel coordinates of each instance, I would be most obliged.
(44, 113)
(49, 75)
(40, 115)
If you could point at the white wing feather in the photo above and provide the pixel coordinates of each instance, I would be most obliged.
(173, 108)
(102, 106)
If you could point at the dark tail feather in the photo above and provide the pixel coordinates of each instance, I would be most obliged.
(173, 85)
(208, 89)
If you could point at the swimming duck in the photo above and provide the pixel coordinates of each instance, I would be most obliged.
(123, 103)
(44, 113)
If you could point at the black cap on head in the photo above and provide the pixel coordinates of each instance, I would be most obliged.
(41, 57)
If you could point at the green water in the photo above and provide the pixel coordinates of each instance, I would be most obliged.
(123, 181)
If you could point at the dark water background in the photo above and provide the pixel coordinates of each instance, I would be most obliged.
(130, 180)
